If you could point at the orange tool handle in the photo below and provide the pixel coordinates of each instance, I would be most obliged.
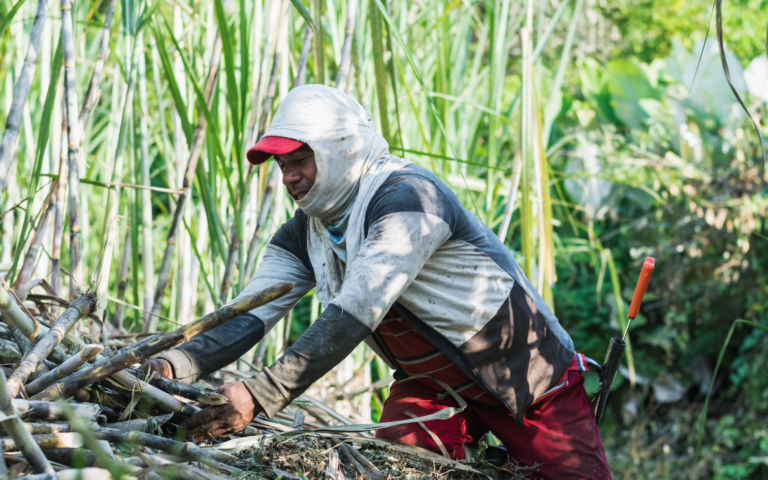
(642, 285)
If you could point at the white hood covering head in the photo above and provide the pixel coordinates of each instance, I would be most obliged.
(342, 135)
(353, 161)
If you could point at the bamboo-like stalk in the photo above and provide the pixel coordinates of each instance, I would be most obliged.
(93, 92)
(15, 428)
(274, 23)
(139, 351)
(187, 450)
(69, 366)
(509, 206)
(194, 269)
(37, 240)
(73, 154)
(229, 268)
(43, 428)
(9, 352)
(88, 473)
(25, 344)
(77, 310)
(58, 221)
(547, 275)
(157, 397)
(496, 81)
(272, 87)
(81, 457)
(13, 313)
(346, 50)
(109, 231)
(266, 205)
(21, 93)
(234, 245)
(141, 424)
(40, 410)
(46, 441)
(526, 220)
(188, 472)
(146, 195)
(169, 386)
(122, 284)
(301, 67)
(3, 467)
(378, 67)
(195, 150)
(318, 44)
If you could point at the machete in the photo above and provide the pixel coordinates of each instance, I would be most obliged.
(616, 346)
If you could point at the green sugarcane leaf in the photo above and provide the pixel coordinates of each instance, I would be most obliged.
(9, 16)
(181, 106)
(227, 43)
(146, 15)
(193, 242)
(199, 96)
(425, 91)
(304, 14)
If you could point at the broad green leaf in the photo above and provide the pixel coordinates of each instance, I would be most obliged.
(627, 85)
(9, 16)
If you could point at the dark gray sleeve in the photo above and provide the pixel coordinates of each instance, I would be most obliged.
(215, 348)
(285, 260)
(323, 346)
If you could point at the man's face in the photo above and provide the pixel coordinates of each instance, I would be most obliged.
(299, 170)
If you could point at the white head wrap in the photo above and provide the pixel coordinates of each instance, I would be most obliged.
(353, 161)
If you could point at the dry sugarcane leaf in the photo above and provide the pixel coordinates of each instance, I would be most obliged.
(333, 468)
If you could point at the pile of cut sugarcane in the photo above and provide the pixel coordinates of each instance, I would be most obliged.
(70, 409)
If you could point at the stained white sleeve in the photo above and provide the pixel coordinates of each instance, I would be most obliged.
(392, 255)
(278, 265)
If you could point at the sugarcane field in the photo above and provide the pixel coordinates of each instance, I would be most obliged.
(383, 239)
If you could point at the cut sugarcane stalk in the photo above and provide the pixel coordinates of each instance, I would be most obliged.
(77, 310)
(79, 474)
(13, 424)
(69, 366)
(159, 343)
(13, 313)
(50, 410)
(47, 441)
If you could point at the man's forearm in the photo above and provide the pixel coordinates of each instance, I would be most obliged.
(323, 346)
(215, 348)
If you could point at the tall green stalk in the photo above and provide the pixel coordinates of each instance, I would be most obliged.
(73, 155)
(147, 253)
(195, 150)
(21, 93)
(526, 148)
(377, 44)
(496, 80)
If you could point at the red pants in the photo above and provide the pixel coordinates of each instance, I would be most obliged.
(558, 432)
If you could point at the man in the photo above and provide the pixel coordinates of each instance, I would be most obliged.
(399, 263)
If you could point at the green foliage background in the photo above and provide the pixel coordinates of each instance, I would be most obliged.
(637, 166)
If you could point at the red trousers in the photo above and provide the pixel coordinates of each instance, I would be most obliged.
(558, 433)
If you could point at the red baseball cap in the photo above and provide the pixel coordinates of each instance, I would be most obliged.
(268, 146)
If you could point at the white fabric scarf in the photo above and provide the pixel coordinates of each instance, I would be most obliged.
(353, 161)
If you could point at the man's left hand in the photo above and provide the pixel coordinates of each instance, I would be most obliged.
(220, 420)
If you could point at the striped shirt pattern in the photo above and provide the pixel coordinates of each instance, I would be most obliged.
(416, 356)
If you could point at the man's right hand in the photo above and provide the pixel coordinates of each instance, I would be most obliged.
(159, 365)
